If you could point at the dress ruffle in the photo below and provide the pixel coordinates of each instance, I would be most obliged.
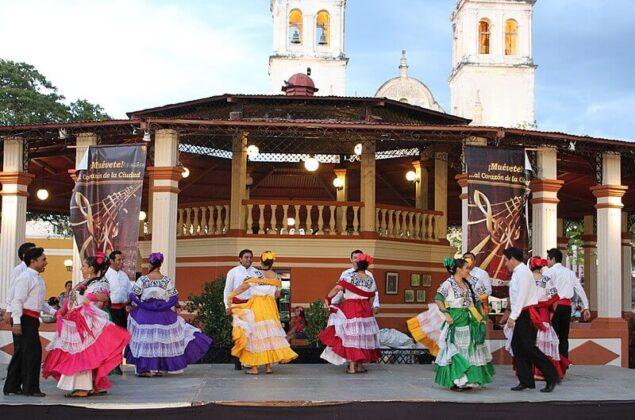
(351, 334)
(425, 328)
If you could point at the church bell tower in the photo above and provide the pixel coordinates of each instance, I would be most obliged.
(309, 34)
(493, 73)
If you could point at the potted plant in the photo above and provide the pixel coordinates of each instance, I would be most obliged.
(316, 318)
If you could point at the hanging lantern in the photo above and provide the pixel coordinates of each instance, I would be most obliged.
(358, 149)
(185, 173)
(311, 164)
(42, 194)
(252, 151)
(411, 176)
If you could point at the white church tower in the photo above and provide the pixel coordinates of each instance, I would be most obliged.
(309, 34)
(493, 72)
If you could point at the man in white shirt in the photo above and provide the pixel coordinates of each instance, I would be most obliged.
(348, 273)
(120, 288)
(29, 299)
(523, 295)
(482, 277)
(567, 284)
(19, 269)
(234, 279)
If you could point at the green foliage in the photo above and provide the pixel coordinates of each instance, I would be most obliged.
(210, 313)
(316, 318)
(27, 97)
(455, 238)
(60, 222)
(574, 230)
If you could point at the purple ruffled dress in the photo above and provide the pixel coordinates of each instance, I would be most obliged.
(161, 340)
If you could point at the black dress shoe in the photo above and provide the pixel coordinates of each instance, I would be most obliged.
(549, 388)
(35, 394)
(521, 387)
(18, 392)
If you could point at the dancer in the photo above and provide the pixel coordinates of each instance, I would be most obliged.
(17, 270)
(161, 340)
(351, 332)
(567, 284)
(346, 274)
(28, 300)
(120, 288)
(463, 360)
(259, 338)
(523, 296)
(546, 337)
(234, 279)
(87, 345)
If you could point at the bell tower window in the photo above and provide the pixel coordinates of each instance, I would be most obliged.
(483, 36)
(295, 27)
(323, 28)
(511, 37)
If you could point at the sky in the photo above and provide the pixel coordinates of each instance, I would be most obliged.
(133, 54)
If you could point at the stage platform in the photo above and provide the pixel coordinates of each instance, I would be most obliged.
(325, 391)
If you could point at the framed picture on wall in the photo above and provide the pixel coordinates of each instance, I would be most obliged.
(392, 283)
(426, 280)
(421, 295)
(409, 295)
(415, 280)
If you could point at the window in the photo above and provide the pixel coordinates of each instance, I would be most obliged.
(323, 28)
(483, 37)
(295, 27)
(511, 37)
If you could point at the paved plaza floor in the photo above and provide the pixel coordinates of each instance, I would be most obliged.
(314, 384)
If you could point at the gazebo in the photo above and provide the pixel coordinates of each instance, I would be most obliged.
(313, 178)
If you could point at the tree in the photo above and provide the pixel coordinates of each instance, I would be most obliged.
(28, 97)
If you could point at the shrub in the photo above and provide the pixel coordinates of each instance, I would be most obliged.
(316, 318)
(210, 313)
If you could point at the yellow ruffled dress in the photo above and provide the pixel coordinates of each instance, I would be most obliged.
(257, 333)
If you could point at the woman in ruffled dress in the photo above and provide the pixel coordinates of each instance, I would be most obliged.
(162, 342)
(259, 339)
(546, 337)
(463, 359)
(351, 333)
(87, 346)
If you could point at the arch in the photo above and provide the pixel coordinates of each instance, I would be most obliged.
(323, 28)
(483, 36)
(295, 26)
(511, 37)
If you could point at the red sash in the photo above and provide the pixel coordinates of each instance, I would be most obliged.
(117, 305)
(237, 301)
(534, 315)
(564, 302)
(32, 314)
(354, 289)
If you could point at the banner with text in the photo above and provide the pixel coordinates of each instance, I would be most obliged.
(497, 194)
(106, 200)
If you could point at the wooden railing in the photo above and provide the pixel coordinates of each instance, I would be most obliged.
(406, 223)
(300, 217)
(202, 219)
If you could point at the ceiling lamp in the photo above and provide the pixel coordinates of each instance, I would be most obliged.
(338, 183)
(290, 221)
(146, 136)
(185, 173)
(311, 164)
(42, 194)
(142, 216)
(252, 151)
(68, 264)
(358, 149)
(411, 176)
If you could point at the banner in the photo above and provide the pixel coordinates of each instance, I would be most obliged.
(497, 194)
(104, 209)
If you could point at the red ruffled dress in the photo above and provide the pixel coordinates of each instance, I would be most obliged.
(351, 332)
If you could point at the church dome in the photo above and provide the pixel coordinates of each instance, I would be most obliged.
(300, 84)
(408, 89)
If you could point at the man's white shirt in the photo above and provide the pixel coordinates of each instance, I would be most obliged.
(566, 282)
(235, 278)
(17, 270)
(483, 279)
(120, 286)
(29, 293)
(523, 291)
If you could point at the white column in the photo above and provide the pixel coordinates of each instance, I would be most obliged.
(14, 194)
(461, 179)
(627, 265)
(609, 228)
(544, 203)
(589, 244)
(441, 192)
(165, 196)
(82, 143)
(367, 188)
(238, 184)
